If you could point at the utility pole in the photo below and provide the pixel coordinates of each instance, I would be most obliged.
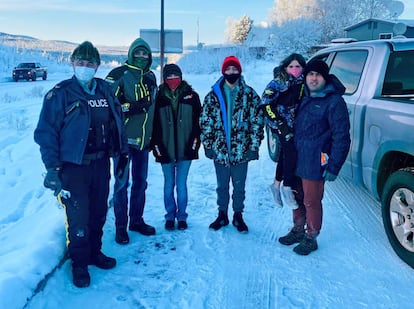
(162, 41)
(198, 31)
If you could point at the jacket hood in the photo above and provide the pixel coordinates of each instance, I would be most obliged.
(139, 43)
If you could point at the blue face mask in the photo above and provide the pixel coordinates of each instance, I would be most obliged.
(84, 74)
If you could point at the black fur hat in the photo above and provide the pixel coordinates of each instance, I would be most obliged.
(86, 51)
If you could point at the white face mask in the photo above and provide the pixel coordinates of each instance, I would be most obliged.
(84, 74)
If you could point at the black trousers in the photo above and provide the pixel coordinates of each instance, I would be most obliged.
(86, 208)
(286, 164)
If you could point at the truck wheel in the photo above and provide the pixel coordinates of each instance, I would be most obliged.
(273, 144)
(398, 213)
(44, 76)
(34, 77)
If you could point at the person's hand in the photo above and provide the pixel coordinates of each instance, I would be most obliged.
(210, 153)
(328, 176)
(252, 155)
(52, 180)
(157, 152)
(121, 167)
(143, 105)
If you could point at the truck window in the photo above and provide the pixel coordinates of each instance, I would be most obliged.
(399, 75)
(348, 67)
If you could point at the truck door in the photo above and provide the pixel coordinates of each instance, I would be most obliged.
(348, 66)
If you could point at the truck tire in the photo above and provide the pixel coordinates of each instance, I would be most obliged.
(273, 144)
(34, 77)
(44, 76)
(398, 213)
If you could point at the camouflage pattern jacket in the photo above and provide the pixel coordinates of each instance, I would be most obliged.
(246, 125)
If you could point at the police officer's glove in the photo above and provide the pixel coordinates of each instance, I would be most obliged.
(52, 180)
(122, 165)
(328, 176)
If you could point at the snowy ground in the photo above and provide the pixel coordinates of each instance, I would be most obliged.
(354, 267)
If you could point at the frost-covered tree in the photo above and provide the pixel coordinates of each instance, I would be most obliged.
(287, 10)
(294, 36)
(332, 15)
(238, 31)
(230, 26)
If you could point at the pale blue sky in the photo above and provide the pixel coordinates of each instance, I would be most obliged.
(118, 22)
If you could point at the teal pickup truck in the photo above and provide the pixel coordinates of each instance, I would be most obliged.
(379, 80)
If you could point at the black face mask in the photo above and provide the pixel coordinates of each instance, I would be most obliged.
(231, 78)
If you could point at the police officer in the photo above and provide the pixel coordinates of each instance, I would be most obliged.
(80, 127)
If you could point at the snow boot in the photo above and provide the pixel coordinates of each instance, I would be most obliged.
(81, 278)
(292, 237)
(121, 236)
(222, 220)
(169, 225)
(306, 246)
(143, 228)
(182, 225)
(102, 261)
(238, 222)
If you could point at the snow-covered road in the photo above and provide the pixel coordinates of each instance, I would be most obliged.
(354, 266)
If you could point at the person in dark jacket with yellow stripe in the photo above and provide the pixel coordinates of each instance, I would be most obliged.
(80, 127)
(176, 140)
(135, 86)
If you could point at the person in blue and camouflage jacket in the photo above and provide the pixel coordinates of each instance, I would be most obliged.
(231, 132)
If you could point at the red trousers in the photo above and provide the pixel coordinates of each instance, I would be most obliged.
(310, 211)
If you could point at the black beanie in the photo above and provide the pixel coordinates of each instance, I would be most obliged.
(86, 51)
(170, 69)
(319, 66)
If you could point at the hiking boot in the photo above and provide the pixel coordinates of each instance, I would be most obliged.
(222, 220)
(276, 195)
(182, 225)
(102, 261)
(169, 225)
(292, 237)
(143, 228)
(238, 222)
(287, 196)
(306, 246)
(81, 278)
(121, 236)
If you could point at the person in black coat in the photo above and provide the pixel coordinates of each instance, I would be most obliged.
(80, 127)
(176, 140)
(322, 141)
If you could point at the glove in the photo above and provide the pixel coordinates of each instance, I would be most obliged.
(52, 180)
(328, 176)
(137, 107)
(252, 155)
(121, 166)
(143, 105)
(210, 154)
